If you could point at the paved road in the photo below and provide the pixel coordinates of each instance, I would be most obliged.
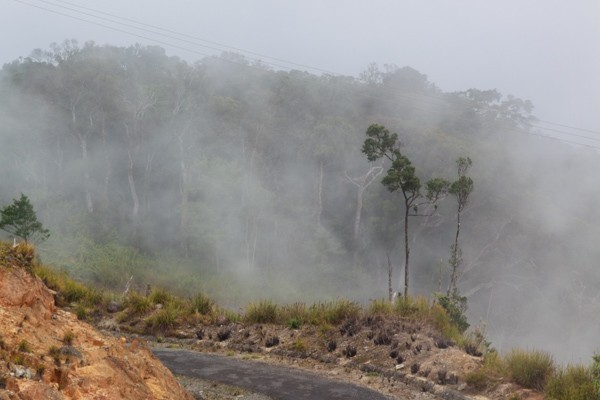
(277, 382)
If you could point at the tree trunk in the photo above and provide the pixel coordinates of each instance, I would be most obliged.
(406, 250)
(134, 196)
(84, 158)
(320, 194)
(390, 270)
(455, 258)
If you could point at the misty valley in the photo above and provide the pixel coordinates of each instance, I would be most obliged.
(244, 182)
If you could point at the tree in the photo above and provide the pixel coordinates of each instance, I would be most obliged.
(401, 176)
(461, 189)
(20, 220)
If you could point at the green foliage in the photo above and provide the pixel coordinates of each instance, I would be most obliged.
(595, 371)
(263, 312)
(456, 307)
(137, 304)
(294, 323)
(201, 304)
(68, 338)
(24, 346)
(380, 307)
(334, 312)
(161, 296)
(69, 290)
(530, 369)
(164, 319)
(411, 307)
(20, 219)
(573, 382)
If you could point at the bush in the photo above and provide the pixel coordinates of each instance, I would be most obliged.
(164, 319)
(201, 304)
(530, 369)
(263, 312)
(334, 312)
(68, 338)
(412, 308)
(161, 296)
(575, 382)
(24, 346)
(456, 307)
(380, 307)
(295, 312)
(137, 304)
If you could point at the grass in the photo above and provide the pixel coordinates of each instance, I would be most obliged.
(201, 304)
(137, 304)
(161, 296)
(262, 312)
(68, 338)
(573, 382)
(24, 346)
(164, 319)
(530, 369)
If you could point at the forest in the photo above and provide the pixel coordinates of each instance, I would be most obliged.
(245, 182)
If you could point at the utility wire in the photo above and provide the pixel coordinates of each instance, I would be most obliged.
(195, 38)
(434, 100)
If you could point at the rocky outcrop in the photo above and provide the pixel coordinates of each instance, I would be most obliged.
(47, 353)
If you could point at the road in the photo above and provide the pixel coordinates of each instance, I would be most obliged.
(272, 380)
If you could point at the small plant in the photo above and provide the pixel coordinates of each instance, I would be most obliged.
(68, 338)
(477, 379)
(530, 369)
(299, 345)
(24, 346)
(294, 323)
(81, 312)
(41, 368)
(201, 304)
(137, 304)
(456, 307)
(164, 319)
(380, 307)
(263, 312)
(575, 382)
(161, 296)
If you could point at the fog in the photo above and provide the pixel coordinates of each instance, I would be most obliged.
(199, 170)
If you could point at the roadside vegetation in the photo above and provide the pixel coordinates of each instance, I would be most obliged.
(160, 312)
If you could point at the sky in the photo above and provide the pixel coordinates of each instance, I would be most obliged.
(542, 50)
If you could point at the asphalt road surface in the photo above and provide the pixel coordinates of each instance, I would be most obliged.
(274, 381)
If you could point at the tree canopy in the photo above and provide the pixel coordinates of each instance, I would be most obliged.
(20, 220)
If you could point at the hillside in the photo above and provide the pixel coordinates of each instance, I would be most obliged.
(48, 353)
(246, 182)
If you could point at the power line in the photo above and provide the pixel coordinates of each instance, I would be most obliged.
(193, 37)
(416, 98)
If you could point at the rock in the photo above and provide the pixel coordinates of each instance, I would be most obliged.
(100, 366)
(113, 307)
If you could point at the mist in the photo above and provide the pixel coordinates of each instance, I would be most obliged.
(230, 177)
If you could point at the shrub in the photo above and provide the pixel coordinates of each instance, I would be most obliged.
(456, 307)
(201, 304)
(68, 338)
(380, 307)
(299, 345)
(575, 382)
(24, 346)
(530, 369)
(161, 296)
(294, 323)
(334, 312)
(137, 304)
(295, 312)
(263, 312)
(164, 319)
